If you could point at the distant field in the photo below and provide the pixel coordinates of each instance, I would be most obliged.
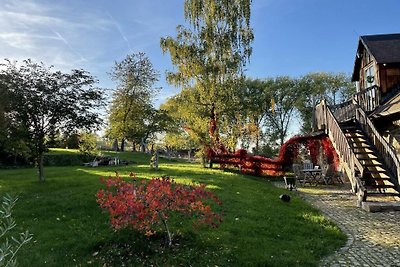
(258, 228)
(63, 151)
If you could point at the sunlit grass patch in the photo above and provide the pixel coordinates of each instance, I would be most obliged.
(258, 229)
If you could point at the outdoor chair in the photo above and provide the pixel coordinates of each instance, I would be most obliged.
(307, 165)
(330, 175)
(298, 173)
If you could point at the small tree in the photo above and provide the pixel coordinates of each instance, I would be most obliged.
(148, 205)
(42, 101)
(132, 105)
(88, 144)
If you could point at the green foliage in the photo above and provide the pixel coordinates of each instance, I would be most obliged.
(88, 144)
(132, 115)
(52, 159)
(189, 120)
(72, 141)
(42, 101)
(257, 224)
(9, 249)
(209, 56)
(313, 87)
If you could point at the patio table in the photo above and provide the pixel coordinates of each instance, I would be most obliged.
(313, 176)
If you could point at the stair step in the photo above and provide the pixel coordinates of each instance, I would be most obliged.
(383, 194)
(364, 152)
(360, 145)
(375, 171)
(379, 186)
(380, 179)
(346, 127)
(353, 131)
(372, 165)
(372, 157)
(353, 138)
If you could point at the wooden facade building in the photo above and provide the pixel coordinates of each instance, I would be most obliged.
(365, 130)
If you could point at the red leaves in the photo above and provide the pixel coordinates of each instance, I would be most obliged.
(258, 165)
(144, 205)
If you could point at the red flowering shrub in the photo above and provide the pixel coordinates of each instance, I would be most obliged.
(146, 206)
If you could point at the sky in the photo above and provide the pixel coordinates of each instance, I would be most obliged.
(292, 37)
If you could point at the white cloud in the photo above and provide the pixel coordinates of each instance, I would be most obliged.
(45, 33)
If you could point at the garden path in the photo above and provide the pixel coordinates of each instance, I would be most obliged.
(373, 238)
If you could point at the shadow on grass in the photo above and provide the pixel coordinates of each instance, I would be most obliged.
(132, 248)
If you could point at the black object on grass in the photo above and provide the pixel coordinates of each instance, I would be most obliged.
(284, 198)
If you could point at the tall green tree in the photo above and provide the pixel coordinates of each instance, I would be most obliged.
(283, 94)
(132, 100)
(253, 102)
(210, 54)
(315, 86)
(43, 100)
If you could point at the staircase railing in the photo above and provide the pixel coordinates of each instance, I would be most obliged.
(345, 152)
(344, 111)
(369, 98)
(384, 149)
(328, 118)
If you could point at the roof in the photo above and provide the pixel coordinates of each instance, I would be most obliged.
(385, 48)
(390, 108)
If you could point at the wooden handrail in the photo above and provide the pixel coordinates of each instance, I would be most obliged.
(344, 111)
(345, 152)
(384, 149)
(369, 98)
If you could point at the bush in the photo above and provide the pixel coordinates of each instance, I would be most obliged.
(9, 250)
(147, 206)
(88, 144)
(72, 141)
(66, 159)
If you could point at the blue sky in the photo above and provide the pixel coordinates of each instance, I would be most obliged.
(292, 37)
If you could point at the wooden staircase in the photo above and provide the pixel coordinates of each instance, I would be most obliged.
(376, 177)
(369, 162)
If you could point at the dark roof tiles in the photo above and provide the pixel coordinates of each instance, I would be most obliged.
(385, 48)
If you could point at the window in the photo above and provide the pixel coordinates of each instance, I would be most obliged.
(369, 76)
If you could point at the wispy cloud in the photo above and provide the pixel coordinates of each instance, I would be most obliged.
(120, 31)
(69, 46)
(48, 33)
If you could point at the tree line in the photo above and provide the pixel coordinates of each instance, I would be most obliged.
(258, 114)
(209, 55)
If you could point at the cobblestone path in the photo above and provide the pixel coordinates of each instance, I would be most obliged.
(373, 238)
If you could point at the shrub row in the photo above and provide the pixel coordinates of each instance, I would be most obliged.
(66, 159)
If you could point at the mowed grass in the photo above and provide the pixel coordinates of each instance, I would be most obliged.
(258, 229)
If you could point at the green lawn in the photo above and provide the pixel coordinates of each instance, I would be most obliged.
(258, 229)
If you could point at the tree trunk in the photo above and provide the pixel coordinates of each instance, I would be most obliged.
(133, 147)
(115, 145)
(169, 236)
(123, 144)
(257, 144)
(156, 160)
(142, 146)
(40, 168)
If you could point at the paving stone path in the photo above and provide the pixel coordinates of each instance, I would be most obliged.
(373, 238)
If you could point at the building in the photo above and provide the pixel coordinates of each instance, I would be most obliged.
(365, 130)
